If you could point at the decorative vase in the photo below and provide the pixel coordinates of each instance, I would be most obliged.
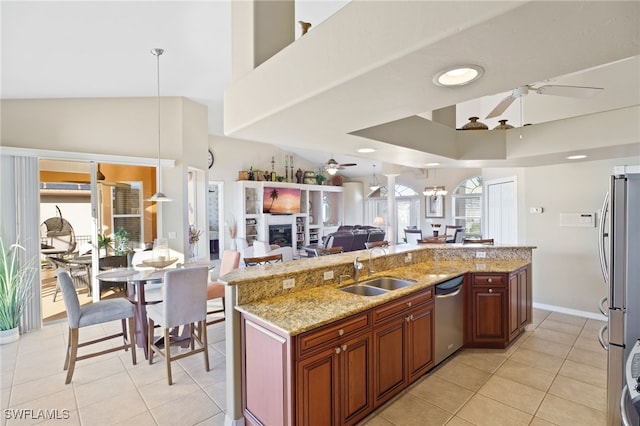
(474, 124)
(503, 125)
(192, 252)
(8, 336)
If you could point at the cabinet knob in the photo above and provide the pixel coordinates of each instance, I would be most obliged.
(340, 332)
(490, 280)
(337, 350)
(490, 290)
(344, 347)
(409, 304)
(407, 318)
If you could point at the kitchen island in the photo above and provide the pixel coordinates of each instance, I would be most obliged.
(316, 352)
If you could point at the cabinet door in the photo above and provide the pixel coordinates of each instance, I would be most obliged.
(356, 385)
(514, 306)
(420, 341)
(317, 389)
(389, 360)
(488, 311)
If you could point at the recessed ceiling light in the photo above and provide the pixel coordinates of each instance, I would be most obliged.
(458, 76)
(366, 150)
(576, 157)
(432, 164)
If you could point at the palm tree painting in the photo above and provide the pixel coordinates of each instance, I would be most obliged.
(281, 200)
(273, 196)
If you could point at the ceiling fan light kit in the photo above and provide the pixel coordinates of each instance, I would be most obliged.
(458, 75)
(332, 166)
(159, 196)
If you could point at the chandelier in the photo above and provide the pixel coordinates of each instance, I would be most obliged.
(374, 183)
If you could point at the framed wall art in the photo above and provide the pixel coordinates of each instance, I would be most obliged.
(434, 206)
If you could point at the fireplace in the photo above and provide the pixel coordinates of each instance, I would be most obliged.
(281, 235)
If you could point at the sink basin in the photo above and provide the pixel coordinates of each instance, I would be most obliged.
(388, 283)
(363, 290)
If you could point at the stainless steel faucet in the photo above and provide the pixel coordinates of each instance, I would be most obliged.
(357, 267)
(371, 271)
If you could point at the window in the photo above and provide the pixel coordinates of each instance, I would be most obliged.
(407, 208)
(127, 211)
(467, 206)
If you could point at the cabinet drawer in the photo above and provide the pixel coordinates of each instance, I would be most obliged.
(311, 340)
(390, 309)
(497, 280)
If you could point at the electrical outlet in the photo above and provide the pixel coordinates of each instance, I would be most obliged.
(481, 254)
(172, 235)
(289, 283)
(407, 258)
(328, 275)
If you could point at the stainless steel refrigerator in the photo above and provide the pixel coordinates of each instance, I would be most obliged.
(620, 258)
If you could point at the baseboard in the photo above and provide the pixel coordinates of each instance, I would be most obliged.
(570, 311)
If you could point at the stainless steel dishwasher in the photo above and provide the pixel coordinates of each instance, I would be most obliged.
(449, 305)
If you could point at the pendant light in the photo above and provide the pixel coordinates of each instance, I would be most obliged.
(159, 195)
(374, 183)
(434, 191)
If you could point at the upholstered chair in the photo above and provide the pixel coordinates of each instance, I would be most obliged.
(93, 314)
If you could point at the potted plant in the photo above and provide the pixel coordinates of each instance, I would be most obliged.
(104, 242)
(121, 238)
(16, 275)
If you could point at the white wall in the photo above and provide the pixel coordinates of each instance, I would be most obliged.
(566, 269)
(118, 126)
(234, 155)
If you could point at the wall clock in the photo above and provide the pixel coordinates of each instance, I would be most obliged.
(211, 159)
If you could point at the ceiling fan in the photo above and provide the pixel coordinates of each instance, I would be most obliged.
(333, 166)
(549, 89)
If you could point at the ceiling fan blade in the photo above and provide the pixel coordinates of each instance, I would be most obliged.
(502, 106)
(348, 164)
(570, 91)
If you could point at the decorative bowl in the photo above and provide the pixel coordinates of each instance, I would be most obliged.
(157, 263)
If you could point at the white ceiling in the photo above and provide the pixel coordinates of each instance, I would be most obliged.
(101, 49)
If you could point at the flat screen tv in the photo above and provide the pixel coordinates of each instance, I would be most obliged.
(280, 200)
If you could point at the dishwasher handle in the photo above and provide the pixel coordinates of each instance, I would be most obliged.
(453, 294)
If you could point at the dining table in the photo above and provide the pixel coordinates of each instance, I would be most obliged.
(144, 286)
(136, 282)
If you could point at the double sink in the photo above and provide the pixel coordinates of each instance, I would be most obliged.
(376, 286)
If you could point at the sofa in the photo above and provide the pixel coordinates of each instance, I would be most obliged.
(353, 237)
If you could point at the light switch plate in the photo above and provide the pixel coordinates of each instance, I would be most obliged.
(481, 254)
(328, 275)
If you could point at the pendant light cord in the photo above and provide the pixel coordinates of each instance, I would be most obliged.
(157, 52)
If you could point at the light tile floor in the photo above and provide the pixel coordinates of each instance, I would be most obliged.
(554, 374)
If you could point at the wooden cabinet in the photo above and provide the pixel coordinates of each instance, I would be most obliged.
(402, 343)
(334, 373)
(499, 308)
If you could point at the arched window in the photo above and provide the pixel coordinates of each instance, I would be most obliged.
(467, 206)
(407, 207)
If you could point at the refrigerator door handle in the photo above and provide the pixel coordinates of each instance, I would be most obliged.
(602, 234)
(603, 310)
(603, 329)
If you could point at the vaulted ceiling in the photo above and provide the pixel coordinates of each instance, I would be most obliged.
(360, 77)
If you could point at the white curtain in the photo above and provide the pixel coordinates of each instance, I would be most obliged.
(19, 221)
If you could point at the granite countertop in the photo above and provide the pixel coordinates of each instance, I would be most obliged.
(305, 310)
